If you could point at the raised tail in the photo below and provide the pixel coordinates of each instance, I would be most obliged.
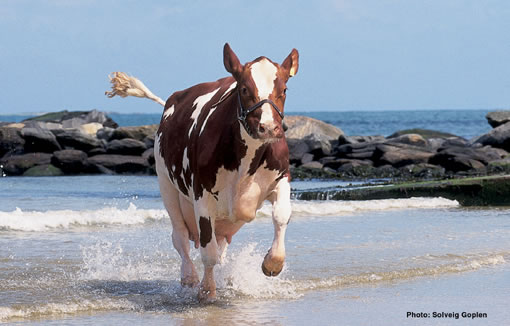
(124, 85)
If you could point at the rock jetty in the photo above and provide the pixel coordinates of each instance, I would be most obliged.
(90, 142)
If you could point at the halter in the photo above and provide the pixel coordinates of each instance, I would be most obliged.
(243, 113)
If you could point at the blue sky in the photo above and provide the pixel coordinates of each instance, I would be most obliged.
(354, 54)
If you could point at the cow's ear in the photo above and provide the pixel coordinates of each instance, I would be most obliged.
(291, 63)
(231, 61)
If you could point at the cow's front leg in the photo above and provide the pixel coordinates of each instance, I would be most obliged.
(273, 262)
(208, 251)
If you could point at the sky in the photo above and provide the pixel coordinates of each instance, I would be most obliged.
(355, 55)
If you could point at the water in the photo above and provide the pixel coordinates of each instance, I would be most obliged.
(97, 251)
(464, 123)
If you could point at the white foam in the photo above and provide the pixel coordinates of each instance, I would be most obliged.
(20, 220)
(341, 207)
(241, 273)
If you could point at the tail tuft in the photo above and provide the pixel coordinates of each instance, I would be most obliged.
(124, 85)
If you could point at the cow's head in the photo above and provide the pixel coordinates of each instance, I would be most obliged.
(261, 89)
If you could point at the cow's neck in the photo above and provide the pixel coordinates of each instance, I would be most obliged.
(255, 149)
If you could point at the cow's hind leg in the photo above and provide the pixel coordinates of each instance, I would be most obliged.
(180, 232)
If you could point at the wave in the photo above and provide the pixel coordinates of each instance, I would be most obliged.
(19, 220)
(332, 207)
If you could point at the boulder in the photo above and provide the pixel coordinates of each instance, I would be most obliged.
(300, 127)
(75, 119)
(297, 148)
(499, 166)
(149, 156)
(120, 163)
(16, 165)
(425, 133)
(343, 139)
(90, 128)
(307, 158)
(398, 155)
(126, 146)
(71, 161)
(10, 141)
(337, 163)
(75, 139)
(410, 139)
(312, 165)
(39, 140)
(498, 137)
(105, 133)
(138, 133)
(319, 144)
(457, 159)
(45, 170)
(498, 118)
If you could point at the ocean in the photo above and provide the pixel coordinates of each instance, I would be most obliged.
(97, 250)
(464, 123)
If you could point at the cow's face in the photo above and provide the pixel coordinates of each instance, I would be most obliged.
(259, 80)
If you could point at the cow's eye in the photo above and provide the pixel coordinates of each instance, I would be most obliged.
(244, 91)
(285, 91)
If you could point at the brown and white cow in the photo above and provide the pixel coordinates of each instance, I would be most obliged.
(220, 153)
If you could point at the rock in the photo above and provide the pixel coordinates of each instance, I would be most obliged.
(10, 141)
(307, 158)
(120, 163)
(16, 165)
(105, 133)
(455, 161)
(39, 140)
(90, 128)
(126, 146)
(45, 170)
(498, 118)
(410, 139)
(312, 165)
(484, 155)
(300, 127)
(75, 119)
(337, 163)
(138, 133)
(75, 139)
(424, 170)
(342, 139)
(149, 140)
(297, 148)
(398, 155)
(97, 151)
(149, 156)
(71, 161)
(319, 144)
(498, 137)
(499, 166)
(425, 133)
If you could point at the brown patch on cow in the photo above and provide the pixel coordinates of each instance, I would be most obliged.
(205, 230)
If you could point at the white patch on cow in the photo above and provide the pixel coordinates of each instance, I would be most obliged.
(230, 88)
(161, 168)
(185, 159)
(205, 121)
(263, 73)
(199, 104)
(281, 207)
(168, 112)
(266, 117)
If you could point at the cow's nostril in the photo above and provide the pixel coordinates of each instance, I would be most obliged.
(262, 129)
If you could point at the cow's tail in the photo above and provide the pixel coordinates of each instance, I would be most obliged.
(124, 85)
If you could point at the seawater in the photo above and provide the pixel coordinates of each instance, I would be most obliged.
(464, 123)
(97, 250)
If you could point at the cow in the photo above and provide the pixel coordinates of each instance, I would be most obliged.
(220, 152)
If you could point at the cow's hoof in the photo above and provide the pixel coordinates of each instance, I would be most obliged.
(206, 296)
(272, 267)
